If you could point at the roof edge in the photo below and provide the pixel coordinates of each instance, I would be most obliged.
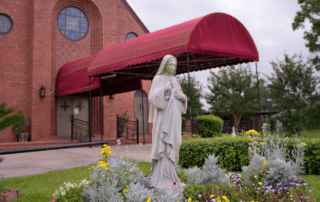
(125, 3)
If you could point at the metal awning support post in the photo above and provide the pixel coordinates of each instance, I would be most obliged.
(101, 110)
(259, 96)
(90, 123)
(189, 94)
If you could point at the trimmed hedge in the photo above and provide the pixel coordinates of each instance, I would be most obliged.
(233, 152)
(209, 125)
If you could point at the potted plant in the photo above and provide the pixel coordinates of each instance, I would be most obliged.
(21, 129)
(123, 124)
(8, 194)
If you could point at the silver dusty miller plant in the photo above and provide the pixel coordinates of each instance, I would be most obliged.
(107, 184)
(269, 162)
(210, 173)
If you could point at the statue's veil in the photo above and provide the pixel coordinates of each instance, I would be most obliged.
(164, 61)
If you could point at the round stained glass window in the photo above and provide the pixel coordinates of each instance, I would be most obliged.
(73, 23)
(131, 35)
(5, 24)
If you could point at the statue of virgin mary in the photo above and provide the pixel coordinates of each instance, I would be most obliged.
(167, 103)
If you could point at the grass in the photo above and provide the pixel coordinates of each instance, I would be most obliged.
(41, 187)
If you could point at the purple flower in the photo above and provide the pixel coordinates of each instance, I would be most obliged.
(208, 200)
(200, 194)
(304, 182)
(310, 189)
(273, 189)
(213, 199)
(290, 182)
(266, 190)
(152, 188)
(186, 199)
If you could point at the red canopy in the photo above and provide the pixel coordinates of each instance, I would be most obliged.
(214, 40)
(216, 34)
(73, 77)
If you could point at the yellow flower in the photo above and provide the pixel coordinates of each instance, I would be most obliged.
(105, 145)
(94, 167)
(125, 190)
(189, 199)
(304, 144)
(263, 143)
(104, 156)
(149, 199)
(226, 198)
(264, 174)
(140, 144)
(106, 168)
(249, 136)
(260, 183)
(211, 196)
(255, 176)
(261, 170)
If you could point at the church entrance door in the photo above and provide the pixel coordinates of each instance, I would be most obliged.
(141, 111)
(66, 105)
(64, 111)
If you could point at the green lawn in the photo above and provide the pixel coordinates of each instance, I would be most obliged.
(41, 187)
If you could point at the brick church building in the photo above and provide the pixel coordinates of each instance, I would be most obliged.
(38, 38)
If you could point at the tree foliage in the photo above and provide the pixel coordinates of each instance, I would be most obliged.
(293, 90)
(196, 95)
(310, 9)
(234, 92)
(7, 121)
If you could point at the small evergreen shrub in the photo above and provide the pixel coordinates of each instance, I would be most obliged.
(209, 126)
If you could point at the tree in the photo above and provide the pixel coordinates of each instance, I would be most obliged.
(234, 91)
(293, 89)
(196, 90)
(6, 122)
(310, 9)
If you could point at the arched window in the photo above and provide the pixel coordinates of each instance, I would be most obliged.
(5, 24)
(72, 23)
(131, 35)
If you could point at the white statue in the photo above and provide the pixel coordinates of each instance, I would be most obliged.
(233, 133)
(167, 103)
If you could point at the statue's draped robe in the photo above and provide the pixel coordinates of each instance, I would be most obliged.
(166, 132)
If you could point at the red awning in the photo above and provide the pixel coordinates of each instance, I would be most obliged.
(215, 34)
(73, 77)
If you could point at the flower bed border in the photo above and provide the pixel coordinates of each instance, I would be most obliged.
(53, 200)
(12, 195)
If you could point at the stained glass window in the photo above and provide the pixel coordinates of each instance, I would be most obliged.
(131, 35)
(72, 23)
(5, 24)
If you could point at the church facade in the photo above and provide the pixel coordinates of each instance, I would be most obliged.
(38, 37)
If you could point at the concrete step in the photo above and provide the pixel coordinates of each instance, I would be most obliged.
(56, 141)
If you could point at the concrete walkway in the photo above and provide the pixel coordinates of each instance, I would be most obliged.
(31, 163)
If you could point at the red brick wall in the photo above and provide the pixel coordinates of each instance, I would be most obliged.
(121, 103)
(34, 50)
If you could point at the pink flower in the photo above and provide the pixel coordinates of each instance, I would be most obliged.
(174, 183)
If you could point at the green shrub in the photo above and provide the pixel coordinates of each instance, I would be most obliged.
(22, 126)
(209, 126)
(233, 152)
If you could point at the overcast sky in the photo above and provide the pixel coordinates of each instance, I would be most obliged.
(269, 23)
